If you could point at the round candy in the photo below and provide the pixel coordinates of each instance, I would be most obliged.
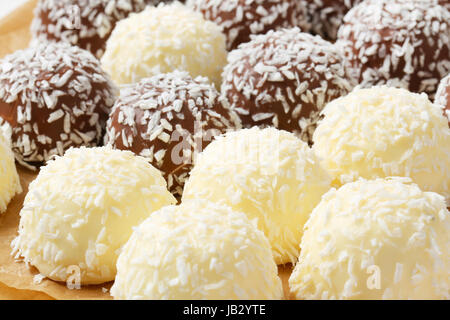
(444, 3)
(284, 79)
(9, 179)
(81, 209)
(168, 118)
(268, 174)
(242, 18)
(85, 23)
(197, 250)
(400, 43)
(382, 132)
(326, 16)
(377, 239)
(53, 97)
(443, 95)
(164, 39)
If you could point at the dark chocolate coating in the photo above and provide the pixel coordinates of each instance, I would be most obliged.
(397, 42)
(53, 97)
(84, 23)
(170, 113)
(242, 18)
(325, 16)
(284, 79)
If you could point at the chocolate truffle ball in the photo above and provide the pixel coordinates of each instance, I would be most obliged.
(398, 43)
(242, 18)
(443, 95)
(85, 23)
(284, 78)
(326, 16)
(445, 3)
(52, 97)
(169, 118)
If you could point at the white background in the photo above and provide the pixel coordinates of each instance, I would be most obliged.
(6, 6)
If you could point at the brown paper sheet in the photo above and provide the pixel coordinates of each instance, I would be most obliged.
(16, 280)
(8, 293)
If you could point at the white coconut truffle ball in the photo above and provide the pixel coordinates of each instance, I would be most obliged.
(81, 209)
(443, 95)
(197, 250)
(9, 179)
(163, 39)
(382, 132)
(268, 174)
(375, 239)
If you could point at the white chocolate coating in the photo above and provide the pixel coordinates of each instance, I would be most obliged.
(9, 179)
(270, 175)
(443, 95)
(197, 250)
(81, 209)
(164, 39)
(376, 239)
(382, 132)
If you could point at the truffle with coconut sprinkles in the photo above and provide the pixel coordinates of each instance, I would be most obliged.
(9, 179)
(242, 18)
(375, 239)
(283, 79)
(326, 16)
(444, 3)
(164, 39)
(53, 96)
(197, 250)
(382, 132)
(443, 95)
(85, 23)
(398, 43)
(168, 118)
(81, 209)
(268, 174)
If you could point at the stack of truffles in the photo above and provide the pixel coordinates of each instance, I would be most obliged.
(183, 151)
